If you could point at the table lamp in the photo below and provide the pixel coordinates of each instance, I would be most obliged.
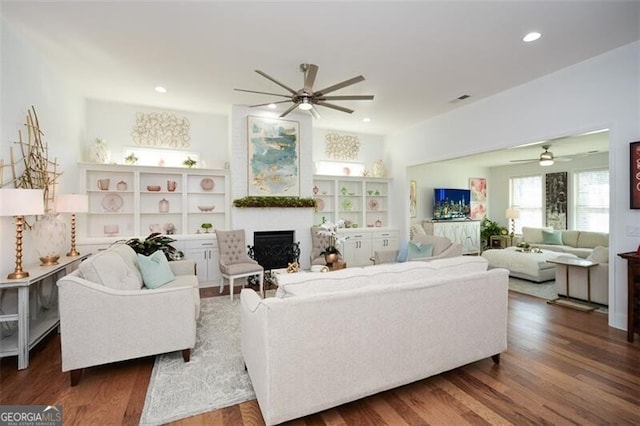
(19, 203)
(512, 214)
(72, 203)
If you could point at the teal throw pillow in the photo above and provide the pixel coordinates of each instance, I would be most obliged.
(155, 269)
(551, 237)
(403, 252)
(419, 251)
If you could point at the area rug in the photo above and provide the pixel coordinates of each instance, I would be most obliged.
(545, 290)
(214, 378)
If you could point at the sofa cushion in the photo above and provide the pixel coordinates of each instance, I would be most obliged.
(570, 238)
(533, 235)
(110, 269)
(599, 254)
(417, 251)
(155, 269)
(592, 239)
(130, 257)
(551, 237)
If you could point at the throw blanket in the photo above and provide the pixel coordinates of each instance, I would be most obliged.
(524, 263)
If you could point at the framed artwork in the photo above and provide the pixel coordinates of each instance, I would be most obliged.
(634, 156)
(556, 200)
(478, 202)
(273, 166)
(413, 203)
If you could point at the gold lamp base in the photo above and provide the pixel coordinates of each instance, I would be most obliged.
(49, 260)
(17, 274)
(73, 252)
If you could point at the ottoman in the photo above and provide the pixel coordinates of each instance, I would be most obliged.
(525, 265)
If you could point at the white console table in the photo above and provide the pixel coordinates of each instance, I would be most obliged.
(32, 330)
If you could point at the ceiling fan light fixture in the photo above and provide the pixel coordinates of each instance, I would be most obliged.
(305, 105)
(546, 159)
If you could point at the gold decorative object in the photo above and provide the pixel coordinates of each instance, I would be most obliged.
(293, 268)
(72, 203)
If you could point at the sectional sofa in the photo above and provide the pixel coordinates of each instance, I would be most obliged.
(330, 338)
(580, 243)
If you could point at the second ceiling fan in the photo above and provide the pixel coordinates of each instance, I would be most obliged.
(306, 98)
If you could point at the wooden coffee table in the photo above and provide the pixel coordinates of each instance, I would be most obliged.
(575, 263)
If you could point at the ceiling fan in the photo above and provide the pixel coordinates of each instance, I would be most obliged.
(306, 98)
(546, 158)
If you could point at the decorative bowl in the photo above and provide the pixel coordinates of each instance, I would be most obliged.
(206, 208)
(153, 188)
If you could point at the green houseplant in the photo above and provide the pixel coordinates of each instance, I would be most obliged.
(489, 228)
(153, 243)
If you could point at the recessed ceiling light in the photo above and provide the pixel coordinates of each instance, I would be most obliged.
(160, 89)
(366, 119)
(272, 106)
(532, 36)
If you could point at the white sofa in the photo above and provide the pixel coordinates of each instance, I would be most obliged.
(578, 288)
(106, 315)
(579, 243)
(331, 338)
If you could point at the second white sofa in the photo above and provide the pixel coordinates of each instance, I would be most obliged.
(331, 338)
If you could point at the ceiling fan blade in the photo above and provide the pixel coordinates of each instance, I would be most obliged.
(289, 89)
(310, 77)
(347, 98)
(262, 93)
(269, 103)
(314, 113)
(288, 110)
(528, 160)
(335, 87)
(338, 107)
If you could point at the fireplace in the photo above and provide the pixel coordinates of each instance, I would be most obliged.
(274, 249)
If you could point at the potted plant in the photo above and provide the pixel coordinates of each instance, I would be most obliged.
(189, 162)
(488, 228)
(206, 227)
(153, 243)
(329, 229)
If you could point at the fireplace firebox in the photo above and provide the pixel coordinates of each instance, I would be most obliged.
(274, 249)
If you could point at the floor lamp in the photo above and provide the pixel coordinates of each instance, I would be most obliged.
(72, 203)
(512, 214)
(19, 203)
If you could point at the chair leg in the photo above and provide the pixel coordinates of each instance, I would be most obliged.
(186, 355)
(75, 376)
(221, 284)
(231, 279)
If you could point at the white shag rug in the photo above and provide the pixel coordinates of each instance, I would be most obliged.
(214, 378)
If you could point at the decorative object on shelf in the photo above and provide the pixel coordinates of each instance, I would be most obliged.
(163, 206)
(161, 129)
(155, 228)
(379, 170)
(376, 193)
(378, 223)
(274, 156)
(153, 188)
(206, 208)
(329, 229)
(103, 184)
(169, 229)
(292, 268)
(369, 192)
(347, 206)
(131, 159)
(171, 185)
(206, 227)
(111, 229)
(315, 190)
(121, 186)
(346, 171)
(344, 190)
(292, 202)
(112, 203)
(319, 204)
(189, 162)
(153, 243)
(49, 235)
(374, 204)
(207, 184)
(99, 152)
(341, 147)
(72, 203)
(20, 202)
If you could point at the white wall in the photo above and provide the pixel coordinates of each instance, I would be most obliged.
(114, 122)
(599, 93)
(26, 80)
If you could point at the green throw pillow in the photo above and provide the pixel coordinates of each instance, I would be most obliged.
(551, 237)
(155, 269)
(419, 251)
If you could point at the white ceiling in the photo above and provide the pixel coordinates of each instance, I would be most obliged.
(416, 56)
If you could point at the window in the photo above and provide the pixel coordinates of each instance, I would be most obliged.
(526, 195)
(591, 200)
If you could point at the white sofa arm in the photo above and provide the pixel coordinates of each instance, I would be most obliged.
(101, 325)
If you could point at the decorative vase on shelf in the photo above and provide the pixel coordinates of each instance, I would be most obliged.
(99, 152)
(315, 190)
(331, 258)
(163, 205)
(49, 235)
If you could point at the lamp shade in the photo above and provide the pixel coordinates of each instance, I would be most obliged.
(72, 203)
(512, 214)
(21, 202)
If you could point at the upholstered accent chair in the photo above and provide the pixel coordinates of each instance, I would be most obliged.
(234, 260)
(318, 244)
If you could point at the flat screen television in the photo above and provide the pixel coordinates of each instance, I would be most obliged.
(451, 204)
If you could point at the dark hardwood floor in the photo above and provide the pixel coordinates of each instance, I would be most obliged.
(562, 367)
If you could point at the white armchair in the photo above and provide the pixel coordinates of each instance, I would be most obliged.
(107, 316)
